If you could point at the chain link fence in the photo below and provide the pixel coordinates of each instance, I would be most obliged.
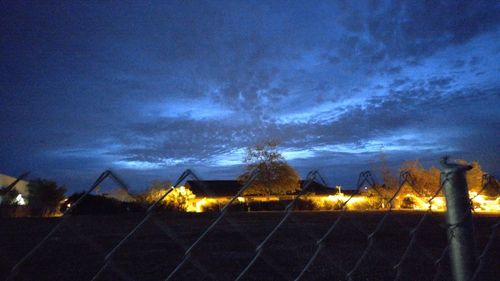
(385, 244)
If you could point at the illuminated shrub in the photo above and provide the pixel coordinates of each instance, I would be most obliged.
(408, 202)
(327, 204)
(179, 199)
(336, 202)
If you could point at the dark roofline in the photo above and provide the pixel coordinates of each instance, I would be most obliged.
(227, 188)
(213, 188)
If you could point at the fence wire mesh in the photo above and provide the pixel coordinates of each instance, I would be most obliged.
(282, 245)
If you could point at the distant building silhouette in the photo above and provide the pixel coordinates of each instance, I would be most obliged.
(228, 188)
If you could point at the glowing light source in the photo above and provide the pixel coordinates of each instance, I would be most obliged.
(409, 201)
(20, 200)
(482, 203)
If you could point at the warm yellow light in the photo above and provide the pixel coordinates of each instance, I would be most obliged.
(482, 203)
(335, 202)
(408, 201)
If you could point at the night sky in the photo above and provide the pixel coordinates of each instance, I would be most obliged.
(152, 88)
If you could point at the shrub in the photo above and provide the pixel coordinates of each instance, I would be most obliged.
(179, 199)
(408, 202)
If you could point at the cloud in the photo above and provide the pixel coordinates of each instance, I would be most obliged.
(87, 86)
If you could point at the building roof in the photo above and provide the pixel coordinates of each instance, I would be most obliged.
(120, 194)
(318, 188)
(214, 188)
(225, 188)
(21, 186)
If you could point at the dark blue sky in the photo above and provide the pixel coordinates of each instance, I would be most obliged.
(152, 88)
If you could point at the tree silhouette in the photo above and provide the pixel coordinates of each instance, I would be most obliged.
(44, 197)
(275, 175)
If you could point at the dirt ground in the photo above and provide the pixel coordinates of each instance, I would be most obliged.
(78, 248)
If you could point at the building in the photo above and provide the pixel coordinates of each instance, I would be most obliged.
(119, 194)
(229, 188)
(215, 194)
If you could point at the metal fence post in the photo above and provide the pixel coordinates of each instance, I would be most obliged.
(458, 220)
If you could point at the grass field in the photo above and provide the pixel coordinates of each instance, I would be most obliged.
(77, 250)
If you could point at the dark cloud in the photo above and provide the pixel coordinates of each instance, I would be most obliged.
(417, 29)
(440, 82)
(459, 63)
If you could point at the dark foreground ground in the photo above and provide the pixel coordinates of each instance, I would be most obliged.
(77, 250)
